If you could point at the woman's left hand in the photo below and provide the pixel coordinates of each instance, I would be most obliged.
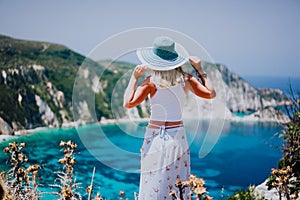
(196, 63)
(139, 71)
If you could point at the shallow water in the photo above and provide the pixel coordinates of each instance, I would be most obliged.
(243, 155)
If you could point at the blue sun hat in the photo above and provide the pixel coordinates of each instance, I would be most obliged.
(165, 54)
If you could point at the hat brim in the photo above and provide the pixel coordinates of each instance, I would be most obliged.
(150, 59)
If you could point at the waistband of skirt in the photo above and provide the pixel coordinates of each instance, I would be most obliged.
(165, 124)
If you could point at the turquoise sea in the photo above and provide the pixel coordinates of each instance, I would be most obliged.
(243, 155)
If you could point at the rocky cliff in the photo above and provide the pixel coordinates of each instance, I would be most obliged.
(243, 97)
(237, 96)
(36, 84)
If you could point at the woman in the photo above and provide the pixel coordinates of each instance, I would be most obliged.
(165, 155)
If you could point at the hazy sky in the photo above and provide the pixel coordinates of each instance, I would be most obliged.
(250, 37)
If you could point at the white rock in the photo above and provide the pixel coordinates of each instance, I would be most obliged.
(47, 114)
(96, 86)
(20, 98)
(38, 67)
(4, 75)
(5, 128)
(272, 194)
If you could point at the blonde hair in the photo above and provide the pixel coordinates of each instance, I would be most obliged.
(169, 78)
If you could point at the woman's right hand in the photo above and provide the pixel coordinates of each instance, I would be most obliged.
(139, 71)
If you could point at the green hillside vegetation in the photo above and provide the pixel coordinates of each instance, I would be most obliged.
(61, 63)
(61, 66)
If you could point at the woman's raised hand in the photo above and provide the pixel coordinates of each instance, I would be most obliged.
(139, 71)
(196, 63)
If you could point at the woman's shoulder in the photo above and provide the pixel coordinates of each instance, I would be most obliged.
(148, 85)
(148, 82)
(187, 76)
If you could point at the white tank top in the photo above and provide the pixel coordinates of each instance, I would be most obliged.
(167, 103)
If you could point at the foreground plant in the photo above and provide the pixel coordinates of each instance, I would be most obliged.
(282, 180)
(286, 179)
(249, 194)
(90, 188)
(197, 189)
(68, 186)
(2, 190)
(20, 181)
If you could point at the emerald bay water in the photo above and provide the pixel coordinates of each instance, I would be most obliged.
(243, 155)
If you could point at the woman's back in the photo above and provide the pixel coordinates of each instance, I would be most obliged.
(167, 103)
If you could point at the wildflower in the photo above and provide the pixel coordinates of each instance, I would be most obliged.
(68, 187)
(200, 190)
(122, 193)
(185, 183)
(172, 194)
(62, 161)
(295, 195)
(73, 146)
(199, 181)
(21, 156)
(98, 197)
(207, 198)
(178, 184)
(36, 167)
(73, 161)
(192, 177)
(28, 169)
(13, 145)
(68, 156)
(289, 169)
(62, 143)
(33, 169)
(27, 180)
(89, 189)
(273, 171)
(20, 171)
(12, 160)
(281, 171)
(67, 192)
(2, 174)
(69, 143)
(6, 149)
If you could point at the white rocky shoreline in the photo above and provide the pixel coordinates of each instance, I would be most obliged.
(262, 190)
(265, 115)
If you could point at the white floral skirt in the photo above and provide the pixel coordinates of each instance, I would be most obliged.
(165, 159)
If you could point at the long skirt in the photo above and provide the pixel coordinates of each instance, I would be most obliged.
(165, 159)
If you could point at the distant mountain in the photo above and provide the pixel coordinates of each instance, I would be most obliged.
(235, 96)
(37, 80)
(243, 97)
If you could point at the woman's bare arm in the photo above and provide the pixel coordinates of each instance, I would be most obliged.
(204, 90)
(134, 96)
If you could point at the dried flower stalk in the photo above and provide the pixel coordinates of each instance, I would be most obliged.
(196, 186)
